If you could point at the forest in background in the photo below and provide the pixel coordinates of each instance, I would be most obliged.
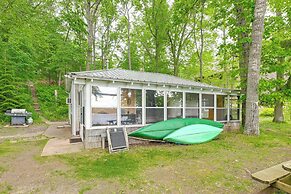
(208, 41)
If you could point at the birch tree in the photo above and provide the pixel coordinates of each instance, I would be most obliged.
(252, 104)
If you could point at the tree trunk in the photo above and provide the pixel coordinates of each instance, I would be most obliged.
(128, 38)
(278, 112)
(91, 8)
(252, 107)
(176, 67)
(90, 35)
(244, 47)
(94, 46)
(201, 40)
(157, 54)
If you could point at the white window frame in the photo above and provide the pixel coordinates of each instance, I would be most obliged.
(208, 107)
(174, 107)
(191, 107)
(117, 107)
(161, 107)
(223, 108)
(136, 107)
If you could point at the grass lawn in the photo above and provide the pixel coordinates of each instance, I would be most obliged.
(220, 166)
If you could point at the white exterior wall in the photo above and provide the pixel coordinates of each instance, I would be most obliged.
(131, 85)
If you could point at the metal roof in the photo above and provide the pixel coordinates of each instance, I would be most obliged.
(138, 76)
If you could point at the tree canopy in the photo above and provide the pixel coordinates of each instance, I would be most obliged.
(201, 40)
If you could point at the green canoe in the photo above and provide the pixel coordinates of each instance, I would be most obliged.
(158, 131)
(193, 134)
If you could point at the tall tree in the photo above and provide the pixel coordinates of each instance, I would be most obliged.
(180, 30)
(252, 104)
(127, 7)
(200, 45)
(155, 39)
(91, 8)
(244, 15)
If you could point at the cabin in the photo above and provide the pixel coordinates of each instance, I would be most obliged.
(113, 98)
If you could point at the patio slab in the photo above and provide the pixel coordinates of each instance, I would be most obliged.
(61, 133)
(57, 146)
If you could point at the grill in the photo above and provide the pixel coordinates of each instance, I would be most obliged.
(18, 116)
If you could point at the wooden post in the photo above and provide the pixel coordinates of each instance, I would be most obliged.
(143, 107)
(74, 109)
(215, 107)
(184, 104)
(200, 105)
(118, 106)
(165, 105)
(87, 105)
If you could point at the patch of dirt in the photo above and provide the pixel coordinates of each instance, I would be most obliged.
(22, 132)
(24, 173)
(204, 176)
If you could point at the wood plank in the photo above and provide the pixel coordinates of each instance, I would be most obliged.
(270, 175)
(283, 184)
(287, 166)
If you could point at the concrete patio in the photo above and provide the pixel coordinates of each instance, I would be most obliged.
(59, 142)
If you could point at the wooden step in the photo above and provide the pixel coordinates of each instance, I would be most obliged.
(75, 139)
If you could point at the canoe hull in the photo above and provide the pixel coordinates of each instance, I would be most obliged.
(194, 134)
(160, 130)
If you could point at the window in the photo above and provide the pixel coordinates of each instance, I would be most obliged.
(174, 104)
(192, 105)
(207, 100)
(131, 98)
(207, 106)
(234, 107)
(221, 114)
(154, 115)
(174, 99)
(104, 106)
(154, 106)
(192, 112)
(131, 106)
(221, 107)
(207, 113)
(154, 98)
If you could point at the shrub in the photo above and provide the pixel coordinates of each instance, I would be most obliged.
(267, 112)
(51, 107)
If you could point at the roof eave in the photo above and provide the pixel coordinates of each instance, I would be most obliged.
(225, 90)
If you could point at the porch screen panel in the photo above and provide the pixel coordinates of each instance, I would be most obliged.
(221, 107)
(207, 106)
(154, 106)
(104, 106)
(192, 105)
(131, 106)
(174, 105)
(234, 107)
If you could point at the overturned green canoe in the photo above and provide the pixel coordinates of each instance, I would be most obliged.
(193, 134)
(160, 130)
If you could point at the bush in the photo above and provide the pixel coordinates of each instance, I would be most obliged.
(267, 112)
(52, 108)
